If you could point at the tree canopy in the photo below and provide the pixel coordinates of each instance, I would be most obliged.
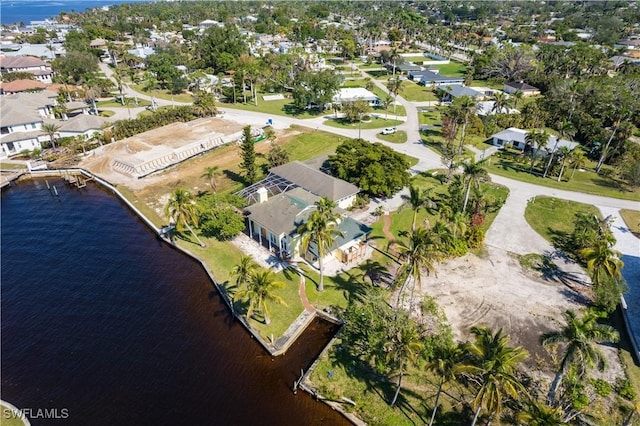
(376, 169)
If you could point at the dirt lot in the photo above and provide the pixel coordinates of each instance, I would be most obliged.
(497, 292)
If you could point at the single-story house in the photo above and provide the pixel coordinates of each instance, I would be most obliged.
(405, 67)
(274, 221)
(487, 108)
(458, 90)
(517, 139)
(526, 89)
(318, 183)
(81, 125)
(430, 78)
(352, 94)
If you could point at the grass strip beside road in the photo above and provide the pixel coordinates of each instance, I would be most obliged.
(554, 218)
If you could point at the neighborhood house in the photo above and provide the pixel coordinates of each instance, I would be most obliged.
(352, 94)
(285, 199)
(517, 139)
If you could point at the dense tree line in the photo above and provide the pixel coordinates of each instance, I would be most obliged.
(126, 128)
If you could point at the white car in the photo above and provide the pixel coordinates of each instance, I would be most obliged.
(389, 131)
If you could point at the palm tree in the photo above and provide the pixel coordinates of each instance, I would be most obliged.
(418, 255)
(51, 129)
(580, 337)
(465, 107)
(538, 413)
(321, 230)
(459, 222)
(602, 260)
(577, 159)
(493, 365)
(564, 153)
(260, 289)
(212, 173)
(402, 349)
(501, 102)
(419, 199)
(386, 101)
(518, 95)
(474, 173)
(445, 365)
(181, 209)
(537, 141)
(243, 270)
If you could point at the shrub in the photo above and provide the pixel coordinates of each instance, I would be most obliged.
(624, 388)
(601, 387)
(475, 237)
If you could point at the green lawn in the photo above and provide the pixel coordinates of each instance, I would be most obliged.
(375, 123)
(278, 107)
(632, 219)
(163, 94)
(586, 181)
(131, 102)
(552, 217)
(452, 69)
(413, 92)
(398, 137)
(311, 144)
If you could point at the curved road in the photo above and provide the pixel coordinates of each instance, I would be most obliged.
(510, 231)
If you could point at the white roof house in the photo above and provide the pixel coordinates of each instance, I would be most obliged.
(517, 139)
(487, 108)
(352, 94)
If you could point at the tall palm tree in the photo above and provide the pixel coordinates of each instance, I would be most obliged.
(320, 230)
(211, 174)
(564, 153)
(418, 255)
(260, 289)
(538, 413)
(445, 365)
(580, 336)
(474, 173)
(601, 260)
(181, 209)
(537, 141)
(493, 365)
(577, 159)
(402, 350)
(419, 199)
(51, 129)
(465, 108)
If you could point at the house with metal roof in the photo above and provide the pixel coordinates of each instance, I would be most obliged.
(353, 94)
(458, 90)
(430, 78)
(516, 138)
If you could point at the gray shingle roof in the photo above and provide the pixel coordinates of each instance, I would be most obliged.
(518, 85)
(281, 213)
(432, 77)
(314, 181)
(21, 136)
(82, 123)
(457, 90)
(22, 108)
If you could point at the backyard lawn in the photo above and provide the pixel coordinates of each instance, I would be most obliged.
(398, 137)
(452, 69)
(414, 92)
(584, 180)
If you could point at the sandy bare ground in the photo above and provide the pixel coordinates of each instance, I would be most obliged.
(496, 291)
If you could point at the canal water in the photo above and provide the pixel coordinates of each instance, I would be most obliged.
(104, 324)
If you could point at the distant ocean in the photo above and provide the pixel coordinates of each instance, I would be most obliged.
(12, 11)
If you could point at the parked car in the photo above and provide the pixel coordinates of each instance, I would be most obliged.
(388, 131)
